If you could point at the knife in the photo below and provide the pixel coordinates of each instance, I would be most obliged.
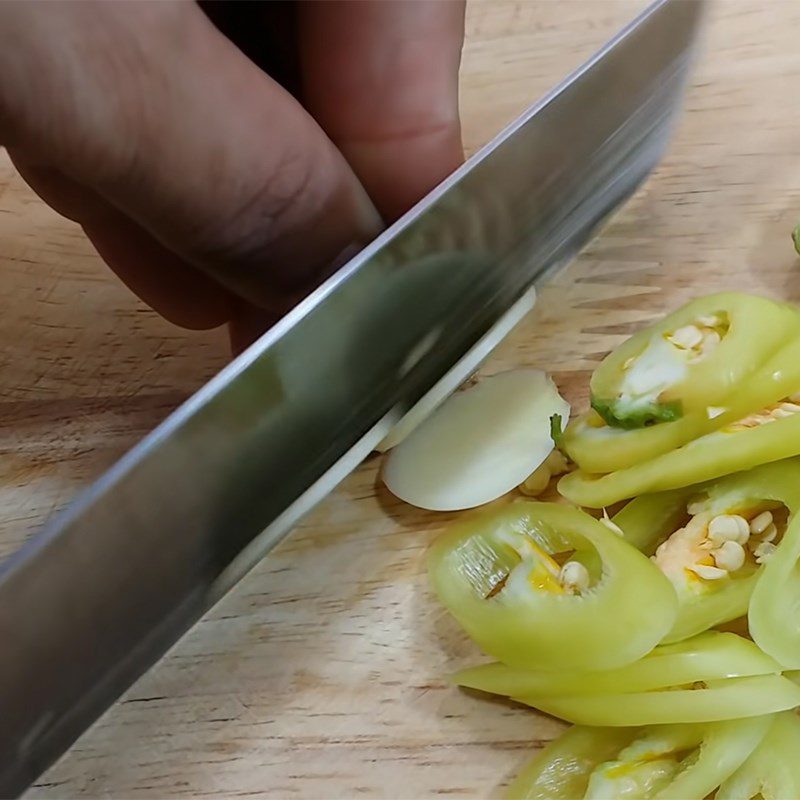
(100, 594)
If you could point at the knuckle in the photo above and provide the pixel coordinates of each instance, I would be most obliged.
(247, 238)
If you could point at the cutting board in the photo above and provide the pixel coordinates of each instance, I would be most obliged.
(324, 673)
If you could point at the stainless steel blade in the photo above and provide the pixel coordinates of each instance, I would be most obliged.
(96, 598)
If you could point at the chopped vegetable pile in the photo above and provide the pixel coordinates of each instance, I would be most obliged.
(666, 632)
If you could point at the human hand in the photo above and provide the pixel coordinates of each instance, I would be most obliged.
(190, 168)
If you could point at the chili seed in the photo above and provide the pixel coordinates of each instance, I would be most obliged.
(574, 577)
(729, 528)
(729, 557)
(764, 551)
(761, 522)
(687, 337)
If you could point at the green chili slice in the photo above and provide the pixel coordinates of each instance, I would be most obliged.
(546, 586)
(770, 393)
(772, 772)
(561, 771)
(708, 657)
(677, 762)
(675, 528)
(714, 701)
(774, 615)
(689, 360)
(712, 456)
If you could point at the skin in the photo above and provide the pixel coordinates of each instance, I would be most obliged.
(197, 176)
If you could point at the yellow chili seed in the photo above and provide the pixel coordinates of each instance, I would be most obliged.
(770, 533)
(764, 551)
(729, 527)
(729, 557)
(687, 337)
(761, 522)
(574, 577)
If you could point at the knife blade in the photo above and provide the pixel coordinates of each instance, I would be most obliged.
(101, 593)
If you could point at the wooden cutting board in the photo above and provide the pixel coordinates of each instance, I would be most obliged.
(324, 673)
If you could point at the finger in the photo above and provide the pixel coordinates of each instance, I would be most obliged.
(266, 32)
(151, 108)
(177, 291)
(382, 80)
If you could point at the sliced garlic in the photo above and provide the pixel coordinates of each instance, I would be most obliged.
(479, 444)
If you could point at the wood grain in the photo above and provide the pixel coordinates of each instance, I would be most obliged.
(323, 674)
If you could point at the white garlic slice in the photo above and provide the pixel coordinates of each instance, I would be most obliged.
(479, 444)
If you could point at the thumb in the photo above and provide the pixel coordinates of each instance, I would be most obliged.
(156, 114)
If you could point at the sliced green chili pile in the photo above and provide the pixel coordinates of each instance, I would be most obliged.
(669, 632)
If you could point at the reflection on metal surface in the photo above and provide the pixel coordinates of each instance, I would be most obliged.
(459, 372)
(96, 598)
